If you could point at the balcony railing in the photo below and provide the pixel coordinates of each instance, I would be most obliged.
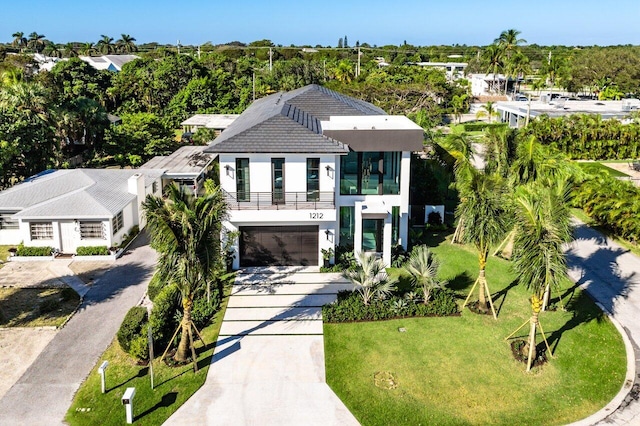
(312, 200)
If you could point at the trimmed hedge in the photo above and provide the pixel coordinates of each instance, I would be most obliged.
(349, 307)
(476, 127)
(203, 311)
(163, 320)
(92, 251)
(33, 251)
(154, 287)
(132, 327)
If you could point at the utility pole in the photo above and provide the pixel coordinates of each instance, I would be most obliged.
(178, 47)
(254, 86)
(198, 52)
(270, 59)
(358, 68)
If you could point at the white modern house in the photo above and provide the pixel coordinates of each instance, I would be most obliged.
(311, 169)
(66, 209)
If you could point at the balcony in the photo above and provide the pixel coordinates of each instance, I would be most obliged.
(313, 200)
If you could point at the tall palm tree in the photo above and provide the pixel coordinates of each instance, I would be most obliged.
(126, 44)
(185, 230)
(482, 209)
(493, 59)
(509, 41)
(36, 42)
(70, 50)
(543, 219)
(87, 49)
(52, 49)
(422, 268)
(19, 40)
(487, 110)
(370, 277)
(105, 45)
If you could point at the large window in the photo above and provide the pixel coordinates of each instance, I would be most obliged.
(92, 230)
(6, 222)
(117, 223)
(313, 179)
(277, 178)
(372, 235)
(242, 179)
(41, 230)
(363, 173)
(347, 225)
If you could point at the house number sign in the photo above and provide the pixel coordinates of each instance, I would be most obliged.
(316, 215)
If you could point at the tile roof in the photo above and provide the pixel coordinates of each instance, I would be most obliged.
(73, 193)
(290, 122)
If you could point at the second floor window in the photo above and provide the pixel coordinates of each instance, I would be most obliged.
(313, 179)
(242, 179)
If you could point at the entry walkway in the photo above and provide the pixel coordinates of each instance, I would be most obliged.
(611, 274)
(268, 365)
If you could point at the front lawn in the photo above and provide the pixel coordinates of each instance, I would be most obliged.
(460, 370)
(172, 385)
(36, 307)
(597, 168)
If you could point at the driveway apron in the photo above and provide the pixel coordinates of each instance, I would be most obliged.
(268, 365)
(45, 391)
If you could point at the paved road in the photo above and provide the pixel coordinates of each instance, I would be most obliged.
(611, 275)
(44, 393)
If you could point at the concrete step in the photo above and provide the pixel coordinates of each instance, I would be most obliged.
(272, 288)
(257, 328)
(279, 269)
(276, 300)
(273, 314)
(290, 278)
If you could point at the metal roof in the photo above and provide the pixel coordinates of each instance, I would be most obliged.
(211, 121)
(73, 193)
(187, 160)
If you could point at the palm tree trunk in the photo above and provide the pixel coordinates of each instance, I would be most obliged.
(482, 281)
(182, 354)
(532, 340)
(547, 297)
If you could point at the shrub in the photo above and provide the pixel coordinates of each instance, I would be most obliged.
(68, 294)
(434, 218)
(475, 127)
(155, 287)
(398, 256)
(349, 307)
(33, 251)
(92, 251)
(131, 326)
(162, 320)
(49, 305)
(139, 346)
(203, 311)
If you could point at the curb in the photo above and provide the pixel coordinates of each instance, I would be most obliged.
(629, 379)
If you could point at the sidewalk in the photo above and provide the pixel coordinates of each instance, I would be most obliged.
(611, 274)
(45, 391)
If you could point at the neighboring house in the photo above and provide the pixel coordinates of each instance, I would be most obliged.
(188, 166)
(311, 169)
(217, 122)
(108, 62)
(452, 70)
(66, 209)
(515, 113)
(487, 84)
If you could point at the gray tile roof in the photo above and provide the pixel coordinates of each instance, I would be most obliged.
(74, 193)
(290, 123)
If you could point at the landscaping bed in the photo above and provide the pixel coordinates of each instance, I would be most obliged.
(460, 369)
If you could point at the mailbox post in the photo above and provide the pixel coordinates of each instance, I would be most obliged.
(127, 401)
(102, 370)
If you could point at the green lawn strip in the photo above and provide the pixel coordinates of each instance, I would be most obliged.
(36, 307)
(173, 385)
(597, 168)
(459, 370)
(4, 254)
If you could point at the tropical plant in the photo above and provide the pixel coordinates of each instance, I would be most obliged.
(36, 42)
(483, 212)
(105, 45)
(126, 44)
(343, 72)
(19, 40)
(493, 59)
(185, 230)
(488, 110)
(88, 49)
(70, 50)
(543, 223)
(370, 277)
(422, 268)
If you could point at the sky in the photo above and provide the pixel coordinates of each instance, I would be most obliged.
(421, 23)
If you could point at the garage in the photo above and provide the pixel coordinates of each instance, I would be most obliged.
(278, 245)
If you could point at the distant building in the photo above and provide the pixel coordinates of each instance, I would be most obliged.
(453, 70)
(488, 84)
(515, 113)
(217, 122)
(108, 62)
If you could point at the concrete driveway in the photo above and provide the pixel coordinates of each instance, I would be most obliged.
(268, 365)
(45, 391)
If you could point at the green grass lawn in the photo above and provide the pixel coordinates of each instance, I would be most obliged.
(597, 168)
(36, 307)
(460, 371)
(173, 385)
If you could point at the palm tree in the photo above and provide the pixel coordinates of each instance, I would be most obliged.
(87, 49)
(509, 41)
(370, 277)
(70, 50)
(52, 49)
(36, 42)
(493, 58)
(517, 66)
(105, 45)
(126, 44)
(422, 268)
(459, 104)
(344, 71)
(487, 110)
(543, 219)
(19, 40)
(482, 209)
(185, 230)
